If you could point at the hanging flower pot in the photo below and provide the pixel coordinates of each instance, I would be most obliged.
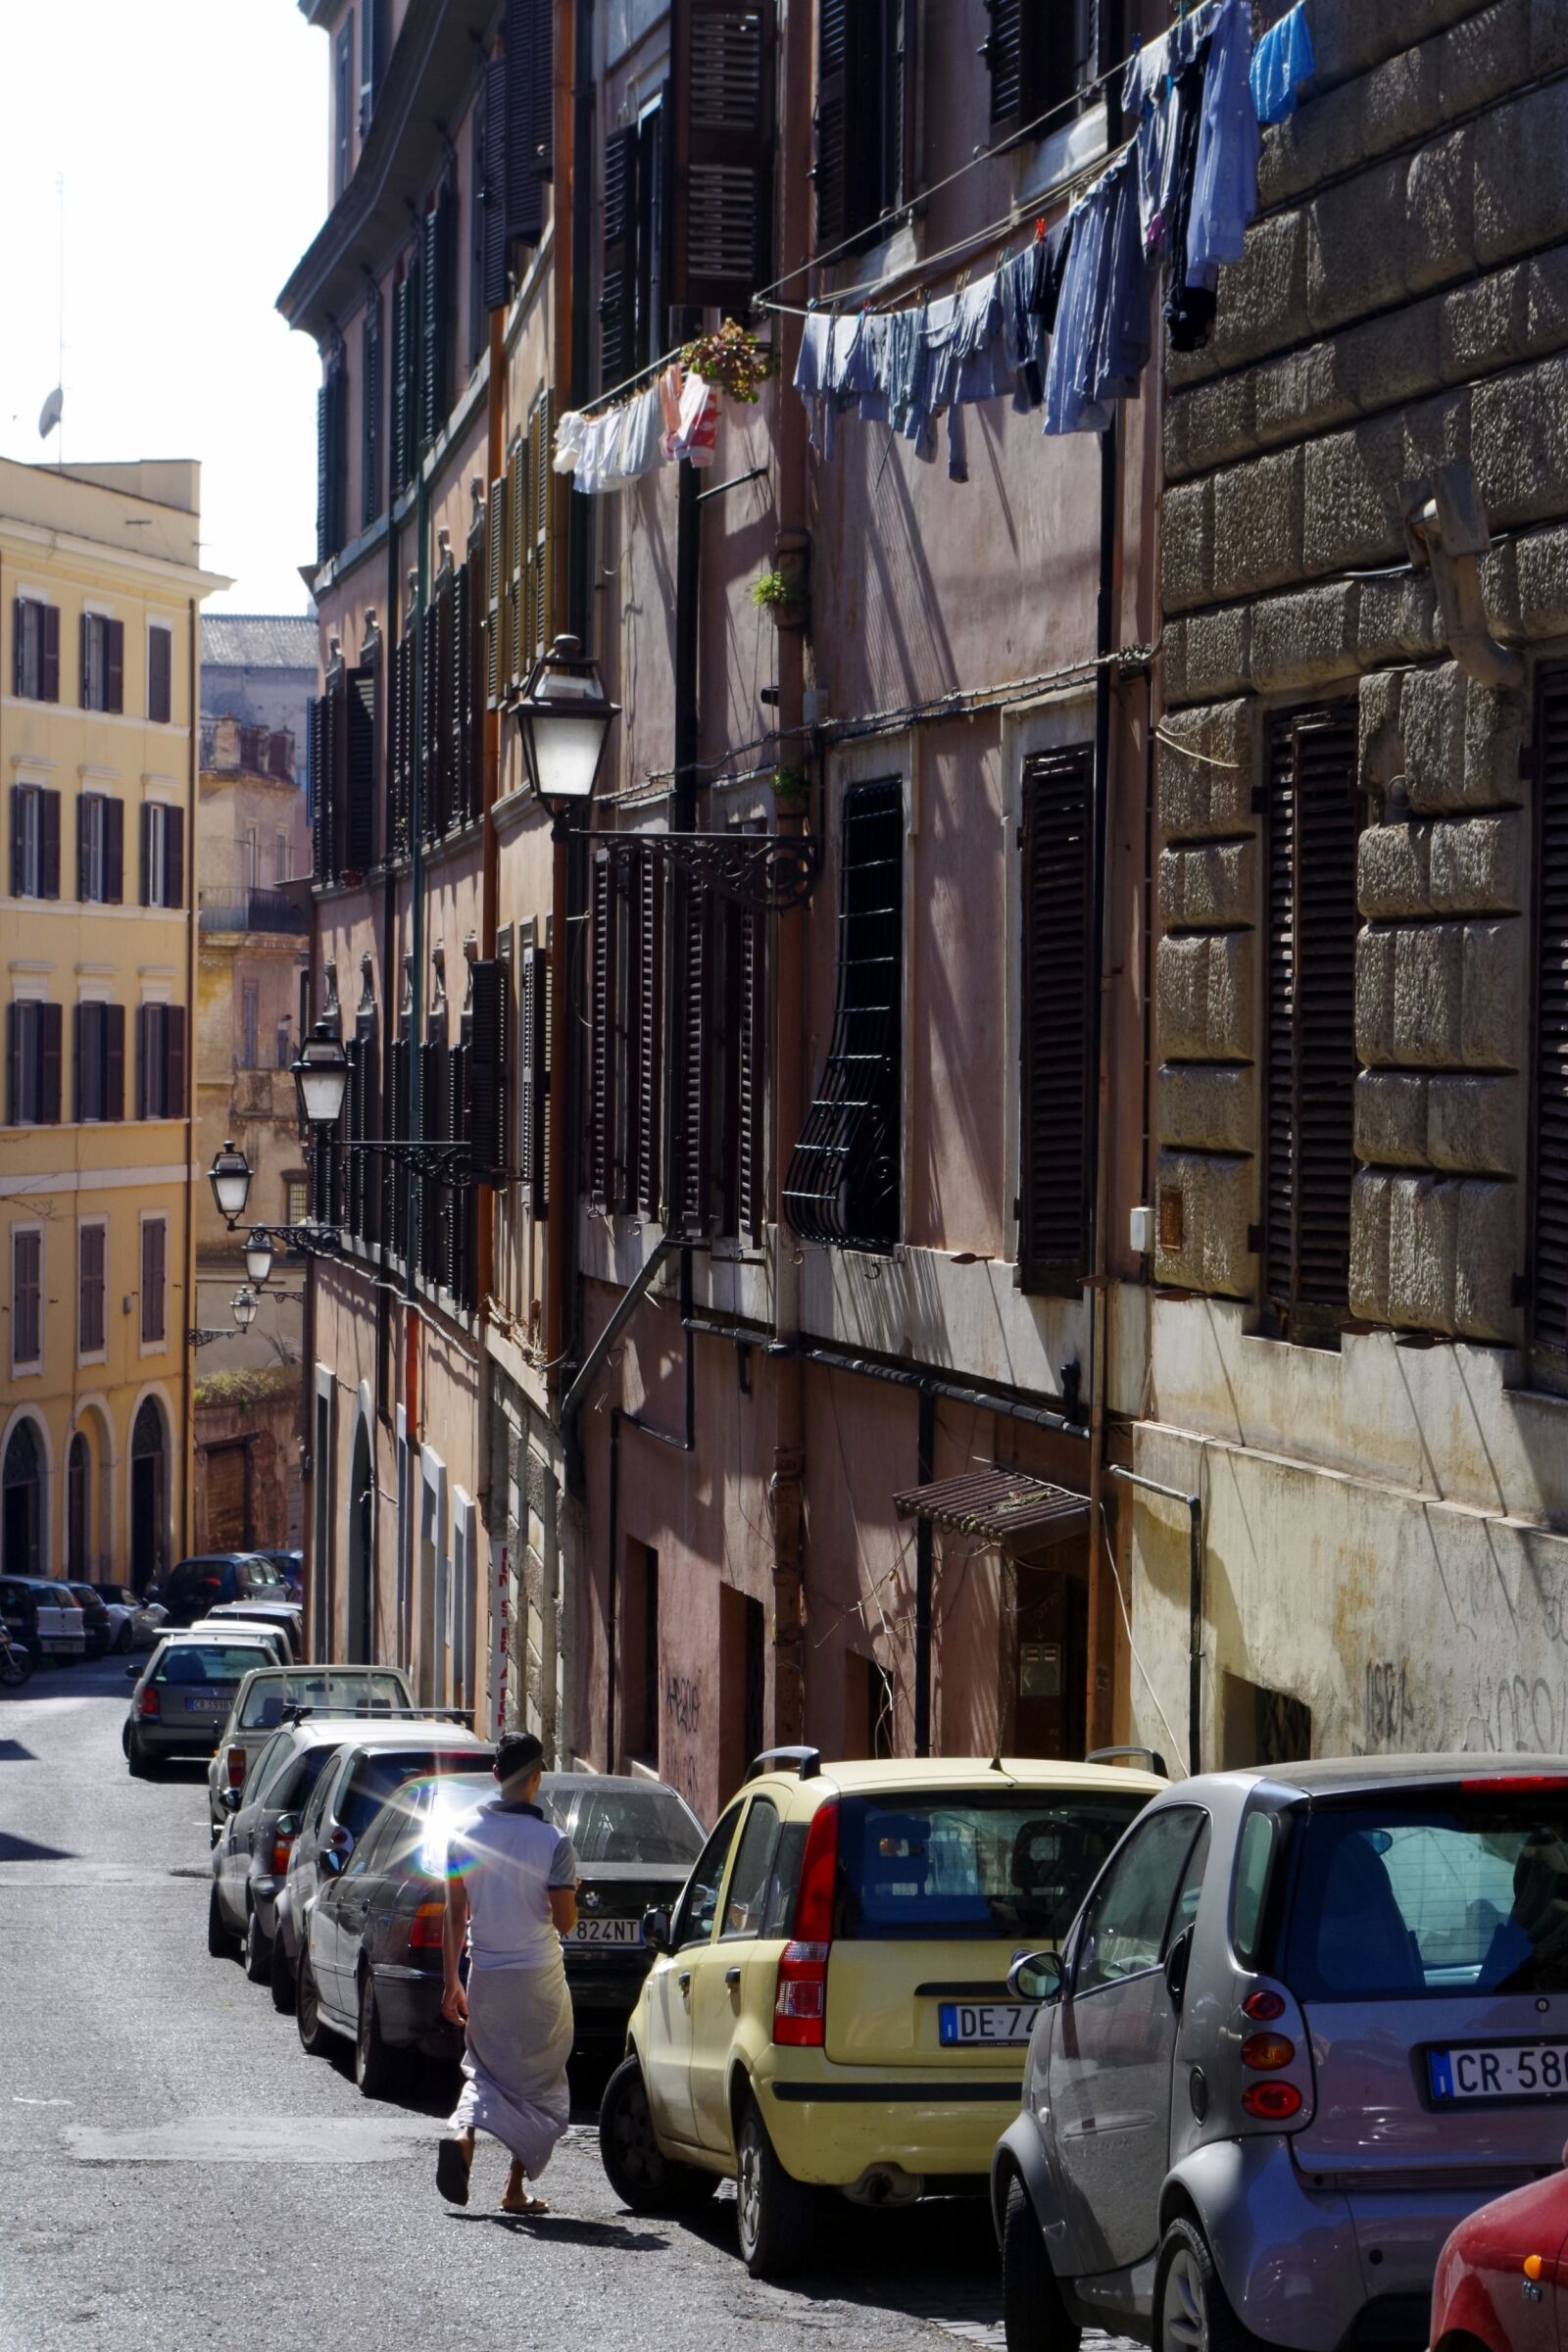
(732, 361)
(782, 595)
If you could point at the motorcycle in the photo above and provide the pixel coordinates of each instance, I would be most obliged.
(15, 1663)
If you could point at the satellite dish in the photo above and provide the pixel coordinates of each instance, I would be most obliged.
(49, 414)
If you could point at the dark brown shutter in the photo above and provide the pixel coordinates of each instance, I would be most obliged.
(1549, 1269)
(541, 586)
(393, 1194)
(83, 651)
(146, 816)
(113, 666)
(13, 1086)
(80, 1019)
(436, 316)
(493, 274)
(16, 837)
(51, 1041)
(174, 856)
(359, 767)
(1057, 1087)
(601, 1032)
(402, 422)
(488, 1069)
(645, 988)
(174, 1062)
(49, 845)
(518, 625)
(834, 133)
(455, 712)
(617, 299)
(1309, 987)
(49, 654)
(750, 1061)
(160, 676)
(722, 180)
(691, 1177)
(455, 1198)
(497, 672)
(1011, 51)
(321, 802)
(113, 851)
(20, 683)
(84, 803)
(530, 106)
(372, 398)
(113, 1062)
(324, 479)
(532, 1081)
(433, 1109)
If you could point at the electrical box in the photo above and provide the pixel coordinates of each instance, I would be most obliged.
(1141, 1230)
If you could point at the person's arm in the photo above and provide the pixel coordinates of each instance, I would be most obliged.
(454, 1935)
(565, 1875)
(563, 1908)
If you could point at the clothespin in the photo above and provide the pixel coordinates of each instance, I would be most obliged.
(1040, 229)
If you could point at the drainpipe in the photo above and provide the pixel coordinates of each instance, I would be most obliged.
(926, 1455)
(407, 1533)
(1195, 1599)
(187, 1435)
(612, 1596)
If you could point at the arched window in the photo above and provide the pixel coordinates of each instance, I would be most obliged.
(78, 1507)
(22, 1502)
(148, 1495)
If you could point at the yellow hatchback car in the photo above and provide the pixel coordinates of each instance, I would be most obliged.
(829, 2008)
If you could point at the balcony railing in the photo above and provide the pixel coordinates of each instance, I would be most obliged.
(253, 910)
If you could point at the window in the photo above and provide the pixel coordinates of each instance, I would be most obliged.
(632, 301)
(343, 107)
(103, 663)
(21, 1499)
(1038, 57)
(639, 1653)
(100, 849)
(100, 1061)
(281, 857)
(437, 316)
(284, 1046)
(865, 115)
(91, 1251)
(747, 1899)
(34, 842)
(1311, 1058)
(742, 1684)
(1130, 1922)
(160, 673)
(161, 1063)
(715, 158)
(1550, 1156)
(1055, 1025)
(79, 1471)
(331, 454)
(154, 1239)
(252, 864)
(966, 1867)
(1261, 1726)
(163, 854)
(296, 1199)
(249, 1016)
(372, 399)
(34, 1035)
(844, 1180)
(372, 56)
(694, 1913)
(1253, 1853)
(26, 1299)
(36, 639)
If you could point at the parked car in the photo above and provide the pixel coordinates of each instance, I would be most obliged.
(98, 1627)
(182, 1695)
(371, 1968)
(250, 1854)
(44, 1616)
(134, 1624)
(1308, 2016)
(285, 1615)
(636, 1842)
(290, 1566)
(342, 1805)
(264, 1696)
(195, 1586)
(1501, 2283)
(829, 2006)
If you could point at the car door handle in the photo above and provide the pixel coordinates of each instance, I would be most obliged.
(684, 1980)
(732, 1977)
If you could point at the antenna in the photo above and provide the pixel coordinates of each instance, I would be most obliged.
(60, 322)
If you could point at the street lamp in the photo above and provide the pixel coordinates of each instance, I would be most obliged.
(563, 721)
(244, 1305)
(230, 1178)
(259, 1255)
(322, 1076)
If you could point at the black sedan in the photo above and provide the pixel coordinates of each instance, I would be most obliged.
(636, 1842)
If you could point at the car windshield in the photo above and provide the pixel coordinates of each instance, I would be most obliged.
(376, 1776)
(634, 1825)
(973, 1865)
(365, 1693)
(1412, 1896)
(205, 1662)
(433, 1806)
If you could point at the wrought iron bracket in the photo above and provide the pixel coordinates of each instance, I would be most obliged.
(770, 872)
(201, 1336)
(448, 1163)
(311, 1240)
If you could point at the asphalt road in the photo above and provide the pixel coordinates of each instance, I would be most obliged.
(175, 2172)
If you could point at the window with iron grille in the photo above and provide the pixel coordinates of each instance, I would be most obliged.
(844, 1181)
(1056, 1079)
(1313, 819)
(1548, 1286)
(864, 120)
(1042, 56)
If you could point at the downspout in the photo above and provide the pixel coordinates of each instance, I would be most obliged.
(1195, 1599)
(192, 1032)
(612, 1597)
(926, 1455)
(411, 1312)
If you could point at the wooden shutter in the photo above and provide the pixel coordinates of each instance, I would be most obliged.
(49, 843)
(516, 624)
(154, 1303)
(80, 1020)
(324, 487)
(433, 1109)
(436, 308)
(456, 709)
(751, 1061)
(830, 173)
(691, 1177)
(113, 666)
(371, 397)
(721, 130)
(51, 1043)
(174, 1062)
(497, 670)
(644, 1044)
(160, 676)
(15, 840)
(601, 1032)
(532, 1076)
(1057, 1080)
(493, 274)
(114, 852)
(531, 115)
(359, 767)
(1309, 987)
(49, 654)
(402, 423)
(393, 1190)
(84, 803)
(1010, 52)
(541, 541)
(14, 1087)
(174, 856)
(1548, 1288)
(113, 1062)
(488, 1069)
(20, 683)
(456, 1198)
(617, 299)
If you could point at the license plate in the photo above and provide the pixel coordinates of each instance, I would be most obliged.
(209, 1702)
(986, 2021)
(1497, 2069)
(607, 1931)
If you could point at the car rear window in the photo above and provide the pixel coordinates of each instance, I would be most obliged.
(344, 1693)
(205, 1662)
(375, 1776)
(971, 1864)
(294, 1787)
(635, 1825)
(1415, 1894)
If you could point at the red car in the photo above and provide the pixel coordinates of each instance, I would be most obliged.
(1502, 2277)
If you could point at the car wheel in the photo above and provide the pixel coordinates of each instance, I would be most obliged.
(141, 1763)
(125, 1740)
(775, 2213)
(378, 2069)
(315, 2040)
(123, 1640)
(258, 1950)
(642, 2177)
(281, 1978)
(1034, 2317)
(222, 1941)
(1192, 2310)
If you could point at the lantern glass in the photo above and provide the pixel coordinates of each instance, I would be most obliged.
(321, 1077)
(230, 1178)
(565, 719)
(259, 1257)
(244, 1305)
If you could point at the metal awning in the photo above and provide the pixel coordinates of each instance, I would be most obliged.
(1007, 1506)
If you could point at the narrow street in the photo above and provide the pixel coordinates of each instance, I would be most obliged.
(175, 2169)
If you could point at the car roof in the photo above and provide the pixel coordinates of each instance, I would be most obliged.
(217, 1633)
(619, 1781)
(320, 1666)
(417, 1730)
(1334, 1775)
(973, 1775)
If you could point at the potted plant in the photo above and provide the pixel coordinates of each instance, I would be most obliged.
(781, 593)
(791, 791)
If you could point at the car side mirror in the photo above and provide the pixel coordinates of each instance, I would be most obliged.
(332, 1859)
(1035, 1977)
(1177, 1962)
(230, 1800)
(287, 1825)
(656, 1931)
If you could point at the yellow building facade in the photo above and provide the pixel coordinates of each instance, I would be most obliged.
(100, 591)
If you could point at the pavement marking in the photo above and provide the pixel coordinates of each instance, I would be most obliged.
(257, 2140)
(73, 1872)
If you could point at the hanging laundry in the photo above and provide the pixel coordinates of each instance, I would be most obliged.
(1031, 287)
(695, 433)
(814, 373)
(640, 451)
(1101, 343)
(1190, 305)
(1149, 97)
(1282, 60)
(908, 375)
(1225, 176)
(569, 431)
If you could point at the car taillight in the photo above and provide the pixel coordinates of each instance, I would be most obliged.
(148, 1704)
(800, 1999)
(1266, 2053)
(1271, 2102)
(430, 1924)
(237, 1767)
(282, 1847)
(1517, 1783)
(1263, 2006)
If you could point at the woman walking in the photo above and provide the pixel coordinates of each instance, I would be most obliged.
(511, 1895)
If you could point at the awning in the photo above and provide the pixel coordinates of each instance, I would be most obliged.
(1007, 1506)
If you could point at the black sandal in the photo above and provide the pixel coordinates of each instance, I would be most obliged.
(451, 2172)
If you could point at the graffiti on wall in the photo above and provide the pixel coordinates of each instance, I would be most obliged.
(680, 1746)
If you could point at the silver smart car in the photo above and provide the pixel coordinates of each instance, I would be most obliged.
(1306, 2019)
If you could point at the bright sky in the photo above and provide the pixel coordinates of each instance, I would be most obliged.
(191, 136)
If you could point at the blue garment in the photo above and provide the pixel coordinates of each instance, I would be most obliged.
(1101, 344)
(1225, 179)
(908, 373)
(1030, 288)
(1149, 96)
(813, 380)
(965, 336)
(1282, 60)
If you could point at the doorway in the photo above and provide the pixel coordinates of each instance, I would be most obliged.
(229, 1496)
(22, 1485)
(362, 1549)
(149, 1480)
(1051, 1654)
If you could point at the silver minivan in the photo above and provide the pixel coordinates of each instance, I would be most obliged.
(1306, 2019)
